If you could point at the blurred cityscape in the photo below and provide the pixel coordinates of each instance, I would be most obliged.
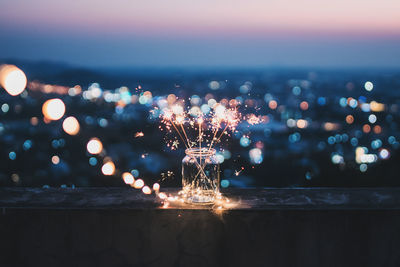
(315, 127)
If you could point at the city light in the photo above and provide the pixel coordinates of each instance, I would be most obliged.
(369, 86)
(349, 119)
(12, 79)
(273, 104)
(55, 160)
(304, 105)
(53, 109)
(302, 124)
(377, 107)
(71, 126)
(351, 128)
(94, 146)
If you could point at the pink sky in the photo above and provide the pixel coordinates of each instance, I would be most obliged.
(208, 17)
(207, 32)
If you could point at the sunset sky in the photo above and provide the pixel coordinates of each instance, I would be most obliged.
(235, 33)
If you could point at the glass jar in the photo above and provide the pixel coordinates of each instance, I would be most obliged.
(200, 175)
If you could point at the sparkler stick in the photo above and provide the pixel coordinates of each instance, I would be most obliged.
(210, 147)
(222, 132)
(201, 168)
(188, 145)
(187, 139)
(212, 141)
(200, 120)
(183, 140)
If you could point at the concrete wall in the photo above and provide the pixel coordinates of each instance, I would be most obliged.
(112, 236)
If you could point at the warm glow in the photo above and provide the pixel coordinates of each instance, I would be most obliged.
(162, 195)
(366, 128)
(34, 121)
(138, 184)
(302, 123)
(331, 126)
(146, 190)
(156, 186)
(349, 119)
(94, 146)
(179, 119)
(273, 104)
(53, 109)
(128, 178)
(108, 168)
(304, 105)
(12, 79)
(55, 160)
(377, 129)
(71, 126)
(377, 107)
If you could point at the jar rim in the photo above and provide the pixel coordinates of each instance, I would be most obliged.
(200, 152)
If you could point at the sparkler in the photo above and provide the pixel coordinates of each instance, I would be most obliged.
(217, 123)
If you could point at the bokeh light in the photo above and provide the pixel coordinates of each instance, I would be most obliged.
(55, 160)
(156, 186)
(139, 183)
(304, 105)
(108, 168)
(366, 128)
(12, 79)
(94, 146)
(256, 155)
(372, 118)
(302, 124)
(369, 86)
(71, 126)
(224, 183)
(128, 178)
(384, 154)
(12, 155)
(349, 119)
(273, 104)
(53, 109)
(146, 190)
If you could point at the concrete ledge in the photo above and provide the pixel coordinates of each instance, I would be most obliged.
(272, 227)
(253, 199)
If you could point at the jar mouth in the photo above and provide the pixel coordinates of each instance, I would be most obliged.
(200, 152)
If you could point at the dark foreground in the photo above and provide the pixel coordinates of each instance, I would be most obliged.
(268, 227)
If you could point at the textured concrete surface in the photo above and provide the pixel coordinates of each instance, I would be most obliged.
(254, 199)
(272, 227)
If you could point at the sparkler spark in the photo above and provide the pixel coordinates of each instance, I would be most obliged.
(239, 171)
(139, 134)
(210, 127)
